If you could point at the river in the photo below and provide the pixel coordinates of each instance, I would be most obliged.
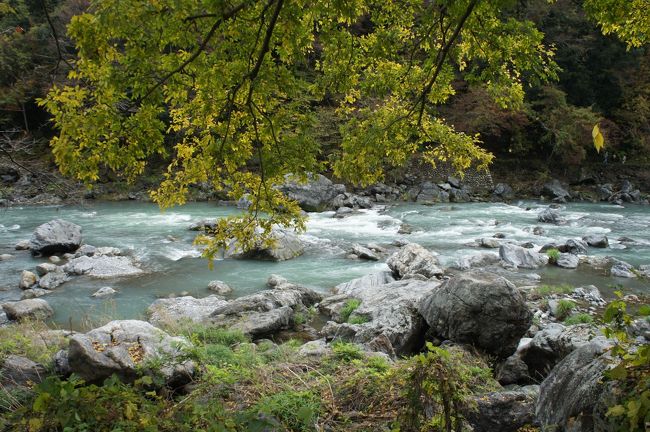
(163, 244)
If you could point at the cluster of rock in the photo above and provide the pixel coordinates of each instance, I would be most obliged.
(61, 241)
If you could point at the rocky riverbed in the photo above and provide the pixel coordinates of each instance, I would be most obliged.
(505, 279)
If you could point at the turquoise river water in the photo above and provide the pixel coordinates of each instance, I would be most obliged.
(163, 245)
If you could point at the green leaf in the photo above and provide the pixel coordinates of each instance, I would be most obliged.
(616, 411)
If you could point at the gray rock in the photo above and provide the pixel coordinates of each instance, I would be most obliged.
(364, 253)
(165, 311)
(315, 349)
(574, 246)
(504, 411)
(22, 245)
(482, 259)
(490, 243)
(27, 280)
(342, 212)
(644, 270)
(104, 292)
(276, 280)
(390, 308)
(37, 309)
(365, 283)
(519, 257)
(550, 345)
(432, 193)
(554, 190)
(34, 293)
(5, 257)
(589, 293)
(503, 191)
(44, 268)
(413, 259)
(103, 266)
(572, 393)
(539, 231)
(405, 229)
(53, 279)
(286, 245)
(85, 249)
(622, 269)
(219, 287)
(551, 216)
(315, 195)
(480, 308)
(568, 261)
(54, 237)
(20, 371)
(513, 370)
(55, 259)
(124, 348)
(348, 200)
(454, 182)
(459, 195)
(597, 240)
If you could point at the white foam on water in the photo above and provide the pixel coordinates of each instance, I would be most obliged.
(366, 223)
(175, 253)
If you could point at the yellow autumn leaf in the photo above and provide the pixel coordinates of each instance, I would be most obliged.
(599, 140)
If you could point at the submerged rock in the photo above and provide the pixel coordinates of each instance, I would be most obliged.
(57, 236)
(125, 348)
(104, 292)
(412, 260)
(480, 308)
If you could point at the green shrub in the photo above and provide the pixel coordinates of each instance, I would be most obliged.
(581, 318)
(346, 352)
(553, 255)
(358, 319)
(564, 308)
(349, 307)
(203, 335)
(296, 410)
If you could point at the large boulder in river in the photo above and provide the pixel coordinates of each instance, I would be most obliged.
(573, 397)
(388, 310)
(285, 246)
(479, 308)
(57, 236)
(28, 309)
(314, 195)
(412, 260)
(103, 266)
(125, 348)
(551, 216)
(519, 257)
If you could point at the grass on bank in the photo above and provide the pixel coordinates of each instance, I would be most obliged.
(247, 387)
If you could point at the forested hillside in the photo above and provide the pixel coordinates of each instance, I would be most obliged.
(601, 80)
